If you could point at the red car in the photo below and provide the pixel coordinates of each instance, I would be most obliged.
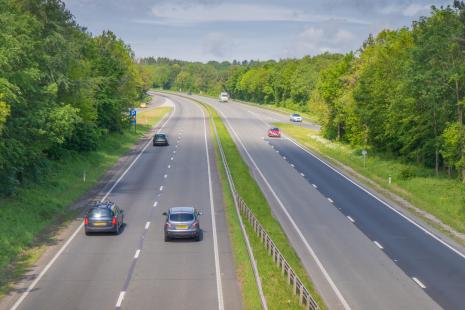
(274, 132)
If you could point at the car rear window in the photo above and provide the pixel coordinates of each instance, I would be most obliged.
(181, 217)
(100, 212)
(160, 137)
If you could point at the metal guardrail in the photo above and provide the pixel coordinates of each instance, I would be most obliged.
(298, 288)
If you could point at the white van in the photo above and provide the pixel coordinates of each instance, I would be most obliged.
(224, 97)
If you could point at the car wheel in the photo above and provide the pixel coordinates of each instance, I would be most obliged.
(197, 238)
(87, 233)
(117, 229)
(167, 238)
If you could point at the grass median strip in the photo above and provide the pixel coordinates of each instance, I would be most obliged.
(278, 293)
(37, 210)
(442, 197)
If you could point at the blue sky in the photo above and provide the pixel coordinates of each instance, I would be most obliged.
(203, 30)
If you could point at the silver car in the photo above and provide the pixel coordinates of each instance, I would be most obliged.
(182, 222)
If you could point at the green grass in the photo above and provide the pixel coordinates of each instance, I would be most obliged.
(441, 196)
(30, 218)
(278, 293)
(244, 271)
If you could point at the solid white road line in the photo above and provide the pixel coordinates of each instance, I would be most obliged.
(136, 256)
(147, 225)
(161, 188)
(155, 203)
(330, 200)
(52, 261)
(351, 219)
(296, 228)
(120, 299)
(378, 244)
(219, 286)
(419, 282)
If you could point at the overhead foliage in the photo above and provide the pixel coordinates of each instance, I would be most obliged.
(60, 87)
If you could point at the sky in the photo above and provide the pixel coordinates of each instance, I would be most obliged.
(203, 30)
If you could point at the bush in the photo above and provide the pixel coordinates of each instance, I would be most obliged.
(407, 173)
(84, 138)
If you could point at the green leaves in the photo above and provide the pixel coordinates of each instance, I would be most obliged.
(58, 84)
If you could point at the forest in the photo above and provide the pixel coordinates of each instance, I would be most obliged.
(400, 94)
(62, 89)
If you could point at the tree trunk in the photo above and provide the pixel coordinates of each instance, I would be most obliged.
(437, 162)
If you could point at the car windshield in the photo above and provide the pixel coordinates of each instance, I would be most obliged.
(295, 115)
(181, 217)
(100, 212)
(274, 129)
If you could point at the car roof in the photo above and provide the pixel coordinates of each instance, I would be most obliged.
(182, 210)
(274, 128)
(295, 114)
(103, 205)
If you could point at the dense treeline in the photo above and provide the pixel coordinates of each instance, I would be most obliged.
(402, 93)
(61, 89)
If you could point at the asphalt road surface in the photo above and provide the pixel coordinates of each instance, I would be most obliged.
(361, 252)
(137, 269)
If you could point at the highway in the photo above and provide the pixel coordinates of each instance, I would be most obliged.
(361, 252)
(137, 269)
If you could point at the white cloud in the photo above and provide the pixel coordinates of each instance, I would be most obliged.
(408, 10)
(314, 40)
(182, 13)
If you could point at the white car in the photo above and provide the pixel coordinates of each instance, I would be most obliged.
(295, 118)
(224, 97)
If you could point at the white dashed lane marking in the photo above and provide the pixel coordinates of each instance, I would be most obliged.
(161, 188)
(351, 219)
(302, 174)
(120, 299)
(419, 283)
(147, 225)
(330, 200)
(314, 186)
(379, 245)
(155, 203)
(165, 176)
(136, 256)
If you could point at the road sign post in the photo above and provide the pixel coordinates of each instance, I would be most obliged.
(364, 153)
(133, 118)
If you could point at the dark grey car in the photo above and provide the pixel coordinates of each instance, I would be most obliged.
(182, 222)
(104, 217)
(160, 139)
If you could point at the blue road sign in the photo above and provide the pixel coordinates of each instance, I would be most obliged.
(133, 112)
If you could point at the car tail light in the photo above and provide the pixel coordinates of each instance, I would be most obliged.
(167, 225)
(195, 225)
(86, 220)
(113, 221)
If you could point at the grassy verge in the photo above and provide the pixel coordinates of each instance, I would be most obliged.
(37, 210)
(442, 197)
(244, 271)
(276, 290)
